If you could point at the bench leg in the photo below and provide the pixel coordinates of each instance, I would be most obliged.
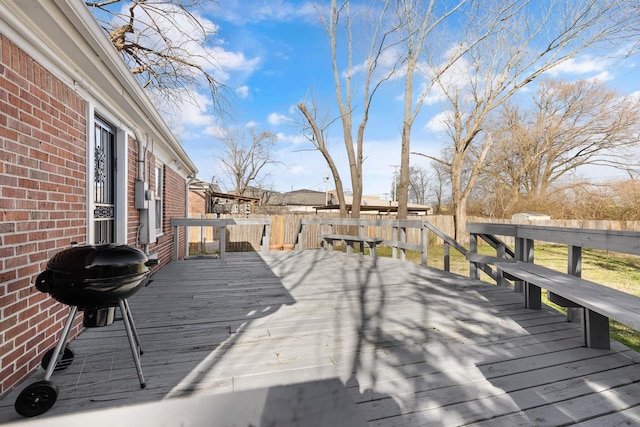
(518, 286)
(372, 250)
(596, 330)
(349, 248)
(532, 296)
(329, 244)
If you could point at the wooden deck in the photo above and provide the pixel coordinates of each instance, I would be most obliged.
(412, 345)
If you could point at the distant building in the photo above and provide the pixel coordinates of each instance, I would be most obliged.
(304, 200)
(313, 201)
(206, 198)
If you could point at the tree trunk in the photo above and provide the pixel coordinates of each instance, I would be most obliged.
(460, 221)
(458, 198)
(403, 186)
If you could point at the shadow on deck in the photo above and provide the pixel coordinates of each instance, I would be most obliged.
(412, 345)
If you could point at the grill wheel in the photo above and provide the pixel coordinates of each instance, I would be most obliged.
(36, 399)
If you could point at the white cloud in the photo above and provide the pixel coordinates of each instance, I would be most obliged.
(455, 75)
(601, 77)
(277, 119)
(386, 63)
(238, 11)
(299, 170)
(190, 113)
(251, 124)
(242, 91)
(295, 139)
(438, 123)
(585, 64)
(215, 131)
(231, 61)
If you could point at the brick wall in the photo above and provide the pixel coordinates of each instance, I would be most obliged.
(197, 202)
(133, 216)
(173, 199)
(42, 203)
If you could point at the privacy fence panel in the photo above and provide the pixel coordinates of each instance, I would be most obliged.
(284, 229)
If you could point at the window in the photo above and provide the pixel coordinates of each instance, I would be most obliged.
(104, 183)
(159, 169)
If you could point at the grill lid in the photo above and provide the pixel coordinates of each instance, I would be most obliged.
(99, 261)
(95, 276)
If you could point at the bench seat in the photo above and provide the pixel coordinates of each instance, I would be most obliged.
(484, 262)
(600, 302)
(370, 242)
(486, 259)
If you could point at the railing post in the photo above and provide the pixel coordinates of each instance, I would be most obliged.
(394, 248)
(266, 238)
(574, 268)
(447, 257)
(473, 248)
(403, 239)
(175, 243)
(531, 292)
(302, 237)
(518, 285)
(500, 252)
(223, 240)
(424, 242)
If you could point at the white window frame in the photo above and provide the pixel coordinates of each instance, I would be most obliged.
(159, 197)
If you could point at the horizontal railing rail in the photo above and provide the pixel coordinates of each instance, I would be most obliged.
(525, 236)
(396, 234)
(222, 225)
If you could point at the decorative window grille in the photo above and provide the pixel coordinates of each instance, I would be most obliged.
(104, 183)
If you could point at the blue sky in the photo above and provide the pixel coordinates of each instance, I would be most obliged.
(274, 54)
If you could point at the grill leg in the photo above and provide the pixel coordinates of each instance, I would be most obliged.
(61, 343)
(132, 342)
(133, 325)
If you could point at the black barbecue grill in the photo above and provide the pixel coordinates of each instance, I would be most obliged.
(94, 280)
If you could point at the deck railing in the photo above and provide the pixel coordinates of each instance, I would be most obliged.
(400, 235)
(221, 225)
(525, 235)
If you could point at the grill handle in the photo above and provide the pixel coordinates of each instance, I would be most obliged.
(151, 262)
(42, 281)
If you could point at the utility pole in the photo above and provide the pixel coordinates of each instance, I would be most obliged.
(395, 175)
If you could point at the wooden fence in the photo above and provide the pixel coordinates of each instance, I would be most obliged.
(285, 227)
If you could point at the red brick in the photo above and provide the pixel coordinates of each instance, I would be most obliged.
(15, 331)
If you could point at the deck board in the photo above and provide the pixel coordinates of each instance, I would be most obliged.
(412, 345)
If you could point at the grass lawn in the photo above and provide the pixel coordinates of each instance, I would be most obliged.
(619, 271)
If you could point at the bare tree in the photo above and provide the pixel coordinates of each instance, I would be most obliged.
(420, 185)
(441, 181)
(244, 157)
(378, 42)
(568, 126)
(418, 21)
(314, 129)
(164, 43)
(530, 39)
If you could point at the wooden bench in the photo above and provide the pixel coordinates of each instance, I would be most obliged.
(484, 263)
(599, 302)
(349, 240)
